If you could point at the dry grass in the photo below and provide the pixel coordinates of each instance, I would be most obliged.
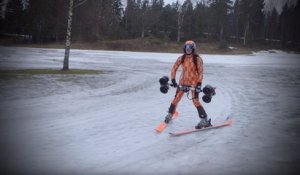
(49, 71)
(144, 45)
(8, 74)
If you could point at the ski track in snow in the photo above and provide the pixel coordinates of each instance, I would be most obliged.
(104, 124)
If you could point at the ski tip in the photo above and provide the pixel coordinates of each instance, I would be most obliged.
(161, 127)
(229, 122)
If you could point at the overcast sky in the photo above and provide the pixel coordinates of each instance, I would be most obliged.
(278, 4)
(170, 1)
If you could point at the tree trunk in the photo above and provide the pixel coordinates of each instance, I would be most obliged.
(221, 33)
(179, 24)
(143, 25)
(246, 33)
(178, 34)
(143, 31)
(237, 31)
(68, 38)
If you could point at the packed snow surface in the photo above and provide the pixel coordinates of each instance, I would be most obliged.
(104, 123)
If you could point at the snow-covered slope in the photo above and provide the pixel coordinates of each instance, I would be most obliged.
(104, 124)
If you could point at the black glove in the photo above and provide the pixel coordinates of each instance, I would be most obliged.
(198, 87)
(174, 83)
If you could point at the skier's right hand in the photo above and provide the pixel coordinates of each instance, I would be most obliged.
(174, 83)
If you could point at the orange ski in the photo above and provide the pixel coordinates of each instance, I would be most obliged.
(179, 133)
(163, 125)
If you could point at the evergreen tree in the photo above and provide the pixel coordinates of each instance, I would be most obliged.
(110, 14)
(86, 21)
(106, 19)
(144, 12)
(272, 25)
(154, 16)
(116, 16)
(14, 17)
(285, 24)
(59, 10)
(297, 24)
(200, 20)
(188, 19)
(251, 15)
(129, 19)
(46, 21)
(219, 19)
(257, 18)
(236, 23)
(169, 21)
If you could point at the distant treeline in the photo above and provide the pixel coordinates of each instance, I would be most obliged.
(243, 21)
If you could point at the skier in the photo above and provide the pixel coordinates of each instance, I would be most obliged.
(192, 75)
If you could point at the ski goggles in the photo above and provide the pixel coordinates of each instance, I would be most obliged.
(188, 46)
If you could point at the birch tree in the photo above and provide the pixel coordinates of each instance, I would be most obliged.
(180, 16)
(68, 37)
(69, 29)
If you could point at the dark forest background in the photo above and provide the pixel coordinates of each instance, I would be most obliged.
(244, 22)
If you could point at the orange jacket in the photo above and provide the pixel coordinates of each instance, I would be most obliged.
(190, 74)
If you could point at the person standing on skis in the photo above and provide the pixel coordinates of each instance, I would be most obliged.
(191, 76)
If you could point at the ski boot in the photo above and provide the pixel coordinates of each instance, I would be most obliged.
(203, 119)
(168, 118)
(204, 123)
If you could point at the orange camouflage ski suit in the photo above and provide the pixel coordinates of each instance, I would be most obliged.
(191, 75)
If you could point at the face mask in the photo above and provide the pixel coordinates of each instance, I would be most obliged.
(188, 49)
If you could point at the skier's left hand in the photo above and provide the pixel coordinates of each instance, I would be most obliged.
(198, 87)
